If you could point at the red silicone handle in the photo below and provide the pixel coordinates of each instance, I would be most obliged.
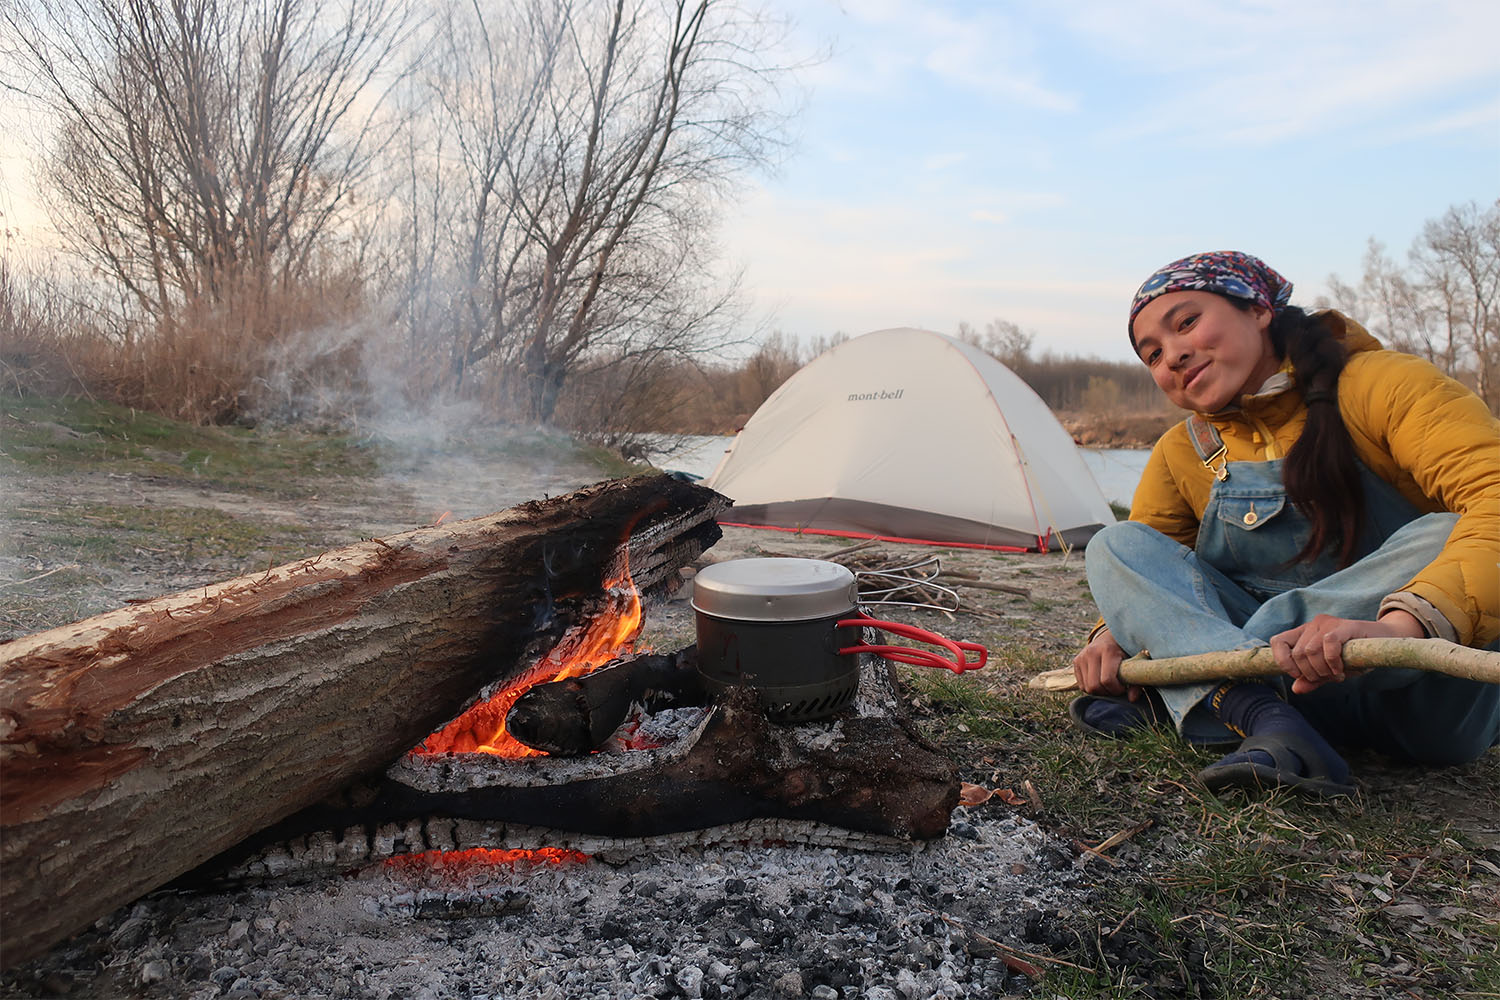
(917, 657)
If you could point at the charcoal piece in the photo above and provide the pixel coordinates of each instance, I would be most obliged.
(473, 907)
(572, 717)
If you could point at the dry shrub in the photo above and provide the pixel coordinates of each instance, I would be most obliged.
(618, 397)
(46, 339)
(1101, 395)
(255, 352)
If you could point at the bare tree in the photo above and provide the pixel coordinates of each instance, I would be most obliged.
(591, 142)
(209, 149)
(1392, 306)
(1445, 305)
(1008, 342)
(1458, 260)
(777, 360)
(1002, 339)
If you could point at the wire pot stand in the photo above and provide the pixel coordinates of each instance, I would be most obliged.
(909, 586)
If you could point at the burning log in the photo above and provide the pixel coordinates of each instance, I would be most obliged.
(865, 771)
(141, 742)
(572, 717)
(869, 772)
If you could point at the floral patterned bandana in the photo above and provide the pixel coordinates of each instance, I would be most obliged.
(1227, 272)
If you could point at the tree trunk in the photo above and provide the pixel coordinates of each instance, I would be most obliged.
(141, 742)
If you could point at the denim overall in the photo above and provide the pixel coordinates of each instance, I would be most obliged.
(1238, 587)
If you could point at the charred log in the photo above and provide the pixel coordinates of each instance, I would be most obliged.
(573, 717)
(141, 742)
(874, 775)
(866, 770)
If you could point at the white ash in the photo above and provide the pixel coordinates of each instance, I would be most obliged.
(732, 920)
(663, 728)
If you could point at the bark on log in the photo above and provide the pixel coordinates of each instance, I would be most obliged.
(141, 742)
(1437, 655)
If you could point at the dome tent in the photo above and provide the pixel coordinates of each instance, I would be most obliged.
(910, 435)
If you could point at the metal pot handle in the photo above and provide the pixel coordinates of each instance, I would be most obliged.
(917, 657)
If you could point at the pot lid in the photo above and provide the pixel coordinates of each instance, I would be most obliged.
(775, 590)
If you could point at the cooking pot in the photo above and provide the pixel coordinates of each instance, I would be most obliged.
(791, 630)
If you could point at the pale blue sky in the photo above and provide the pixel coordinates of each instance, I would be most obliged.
(1036, 161)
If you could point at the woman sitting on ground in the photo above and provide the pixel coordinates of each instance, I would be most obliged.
(1322, 490)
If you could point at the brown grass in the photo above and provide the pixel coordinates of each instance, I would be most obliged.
(207, 363)
(318, 353)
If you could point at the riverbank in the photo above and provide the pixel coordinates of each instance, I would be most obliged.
(1117, 430)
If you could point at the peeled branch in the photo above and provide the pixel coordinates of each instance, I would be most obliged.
(1437, 655)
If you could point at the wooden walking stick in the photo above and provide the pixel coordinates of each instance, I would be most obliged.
(1438, 655)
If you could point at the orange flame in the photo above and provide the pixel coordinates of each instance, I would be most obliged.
(481, 729)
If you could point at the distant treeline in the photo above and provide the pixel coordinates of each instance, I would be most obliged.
(719, 398)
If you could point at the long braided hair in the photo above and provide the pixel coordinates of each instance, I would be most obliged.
(1321, 471)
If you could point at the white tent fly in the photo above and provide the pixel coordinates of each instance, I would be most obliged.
(911, 435)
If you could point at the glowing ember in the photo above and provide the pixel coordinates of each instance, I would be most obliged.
(481, 729)
(477, 858)
(630, 737)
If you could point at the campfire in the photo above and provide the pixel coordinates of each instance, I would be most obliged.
(482, 728)
(692, 803)
(545, 599)
(691, 769)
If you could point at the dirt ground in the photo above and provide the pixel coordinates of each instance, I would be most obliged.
(69, 552)
(51, 576)
(79, 544)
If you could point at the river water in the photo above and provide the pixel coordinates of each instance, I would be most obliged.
(1116, 470)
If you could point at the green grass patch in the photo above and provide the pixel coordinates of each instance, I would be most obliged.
(62, 437)
(103, 535)
(610, 463)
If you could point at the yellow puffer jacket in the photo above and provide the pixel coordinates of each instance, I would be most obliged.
(1419, 430)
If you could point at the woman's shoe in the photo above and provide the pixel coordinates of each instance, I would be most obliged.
(1115, 716)
(1295, 764)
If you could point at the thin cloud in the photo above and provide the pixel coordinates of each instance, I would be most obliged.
(884, 46)
(1279, 71)
(1483, 117)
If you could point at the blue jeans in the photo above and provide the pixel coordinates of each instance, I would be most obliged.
(1158, 595)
